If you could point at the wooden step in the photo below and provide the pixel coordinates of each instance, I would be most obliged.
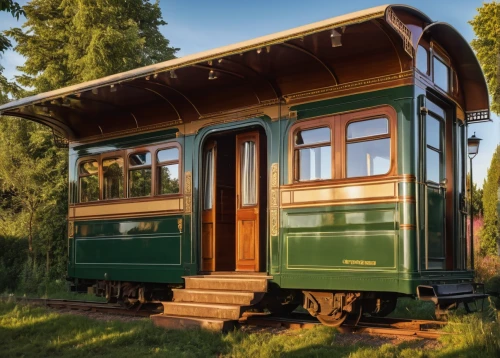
(180, 322)
(242, 298)
(202, 310)
(233, 283)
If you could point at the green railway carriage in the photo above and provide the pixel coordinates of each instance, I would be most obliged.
(329, 159)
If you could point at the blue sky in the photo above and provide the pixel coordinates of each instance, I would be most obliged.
(198, 25)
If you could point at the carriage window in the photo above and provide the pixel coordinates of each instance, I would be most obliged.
(423, 60)
(113, 178)
(313, 154)
(441, 74)
(368, 148)
(139, 175)
(89, 181)
(168, 171)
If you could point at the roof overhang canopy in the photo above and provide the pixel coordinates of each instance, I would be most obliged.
(290, 66)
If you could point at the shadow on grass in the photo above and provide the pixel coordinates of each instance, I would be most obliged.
(38, 332)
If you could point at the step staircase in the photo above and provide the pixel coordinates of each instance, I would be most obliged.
(214, 302)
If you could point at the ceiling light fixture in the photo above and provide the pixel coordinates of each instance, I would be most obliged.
(173, 74)
(211, 75)
(336, 38)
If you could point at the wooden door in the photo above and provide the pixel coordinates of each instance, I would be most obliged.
(208, 223)
(247, 202)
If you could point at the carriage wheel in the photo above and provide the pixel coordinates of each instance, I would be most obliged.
(337, 319)
(333, 320)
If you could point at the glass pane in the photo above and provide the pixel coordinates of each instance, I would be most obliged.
(139, 182)
(140, 159)
(433, 132)
(89, 188)
(315, 163)
(368, 158)
(441, 74)
(169, 179)
(433, 166)
(113, 178)
(312, 136)
(89, 167)
(208, 180)
(248, 174)
(368, 128)
(422, 59)
(167, 155)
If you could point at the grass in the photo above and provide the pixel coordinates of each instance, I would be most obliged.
(30, 331)
(57, 289)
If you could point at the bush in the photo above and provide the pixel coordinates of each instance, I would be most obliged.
(13, 255)
(32, 277)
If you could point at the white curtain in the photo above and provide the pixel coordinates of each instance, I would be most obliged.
(248, 174)
(208, 180)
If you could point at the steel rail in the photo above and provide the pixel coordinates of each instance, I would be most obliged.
(368, 325)
(101, 307)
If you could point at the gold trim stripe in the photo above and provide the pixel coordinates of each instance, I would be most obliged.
(129, 208)
(343, 193)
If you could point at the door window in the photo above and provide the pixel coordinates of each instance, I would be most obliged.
(208, 179)
(434, 150)
(248, 175)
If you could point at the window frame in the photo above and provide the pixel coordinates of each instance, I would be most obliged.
(387, 135)
(125, 155)
(434, 50)
(114, 155)
(79, 187)
(157, 164)
(308, 125)
(136, 167)
(338, 141)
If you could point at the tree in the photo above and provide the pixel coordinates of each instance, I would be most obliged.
(71, 41)
(16, 11)
(477, 197)
(64, 42)
(490, 233)
(33, 171)
(486, 25)
(6, 87)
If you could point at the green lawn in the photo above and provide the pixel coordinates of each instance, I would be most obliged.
(39, 332)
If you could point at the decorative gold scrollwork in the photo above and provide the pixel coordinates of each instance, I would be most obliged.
(71, 228)
(188, 192)
(179, 225)
(274, 202)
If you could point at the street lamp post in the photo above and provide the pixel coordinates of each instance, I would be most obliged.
(472, 150)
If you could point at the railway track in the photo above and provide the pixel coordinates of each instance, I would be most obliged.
(88, 306)
(368, 325)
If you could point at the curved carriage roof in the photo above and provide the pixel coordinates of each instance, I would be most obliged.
(377, 47)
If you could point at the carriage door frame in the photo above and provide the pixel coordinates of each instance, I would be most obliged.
(208, 206)
(437, 187)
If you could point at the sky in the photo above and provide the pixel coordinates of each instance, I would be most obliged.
(198, 25)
